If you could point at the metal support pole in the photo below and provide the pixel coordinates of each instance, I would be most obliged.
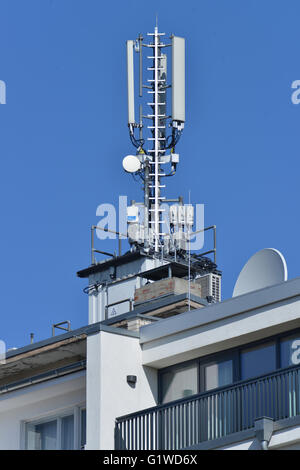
(92, 247)
(215, 244)
(93, 250)
(120, 244)
(146, 203)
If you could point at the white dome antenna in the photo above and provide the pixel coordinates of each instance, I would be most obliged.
(131, 164)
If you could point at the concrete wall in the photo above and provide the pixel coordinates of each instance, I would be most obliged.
(35, 402)
(110, 358)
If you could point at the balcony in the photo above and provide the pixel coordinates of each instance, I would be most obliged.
(211, 415)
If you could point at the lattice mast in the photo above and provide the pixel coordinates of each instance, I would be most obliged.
(158, 138)
(151, 163)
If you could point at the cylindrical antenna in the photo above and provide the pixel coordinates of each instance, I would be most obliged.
(130, 82)
(141, 64)
(178, 79)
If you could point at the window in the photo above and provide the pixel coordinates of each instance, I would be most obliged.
(290, 351)
(57, 433)
(216, 374)
(42, 436)
(179, 382)
(258, 360)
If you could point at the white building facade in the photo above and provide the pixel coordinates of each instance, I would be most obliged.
(222, 375)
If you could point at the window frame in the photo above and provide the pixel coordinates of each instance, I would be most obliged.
(215, 359)
(57, 416)
(232, 353)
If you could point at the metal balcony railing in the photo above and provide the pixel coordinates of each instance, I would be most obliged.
(211, 415)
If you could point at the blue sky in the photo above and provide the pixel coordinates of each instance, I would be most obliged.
(63, 134)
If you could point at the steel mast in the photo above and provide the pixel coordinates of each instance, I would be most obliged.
(158, 127)
(149, 163)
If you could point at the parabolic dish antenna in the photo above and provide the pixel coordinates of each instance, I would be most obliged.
(266, 268)
(131, 164)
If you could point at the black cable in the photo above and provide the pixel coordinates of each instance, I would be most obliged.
(175, 136)
(136, 142)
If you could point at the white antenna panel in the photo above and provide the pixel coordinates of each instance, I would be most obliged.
(181, 214)
(266, 268)
(130, 82)
(189, 214)
(178, 79)
(174, 214)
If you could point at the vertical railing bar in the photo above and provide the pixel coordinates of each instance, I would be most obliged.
(195, 420)
(202, 418)
(269, 392)
(219, 417)
(147, 431)
(192, 423)
(187, 425)
(183, 427)
(284, 397)
(211, 417)
(226, 411)
(276, 397)
(159, 428)
(143, 438)
(140, 433)
(272, 396)
(167, 427)
(298, 394)
(294, 393)
(175, 428)
(262, 398)
(172, 428)
(222, 405)
(290, 394)
(119, 435)
(246, 390)
(255, 403)
(206, 420)
(232, 413)
(151, 430)
(156, 442)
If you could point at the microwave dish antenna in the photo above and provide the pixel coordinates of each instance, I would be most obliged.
(265, 268)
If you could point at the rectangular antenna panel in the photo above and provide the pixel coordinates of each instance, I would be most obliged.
(130, 82)
(178, 79)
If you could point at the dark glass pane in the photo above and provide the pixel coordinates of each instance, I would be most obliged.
(258, 360)
(67, 433)
(218, 374)
(179, 383)
(290, 350)
(42, 436)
